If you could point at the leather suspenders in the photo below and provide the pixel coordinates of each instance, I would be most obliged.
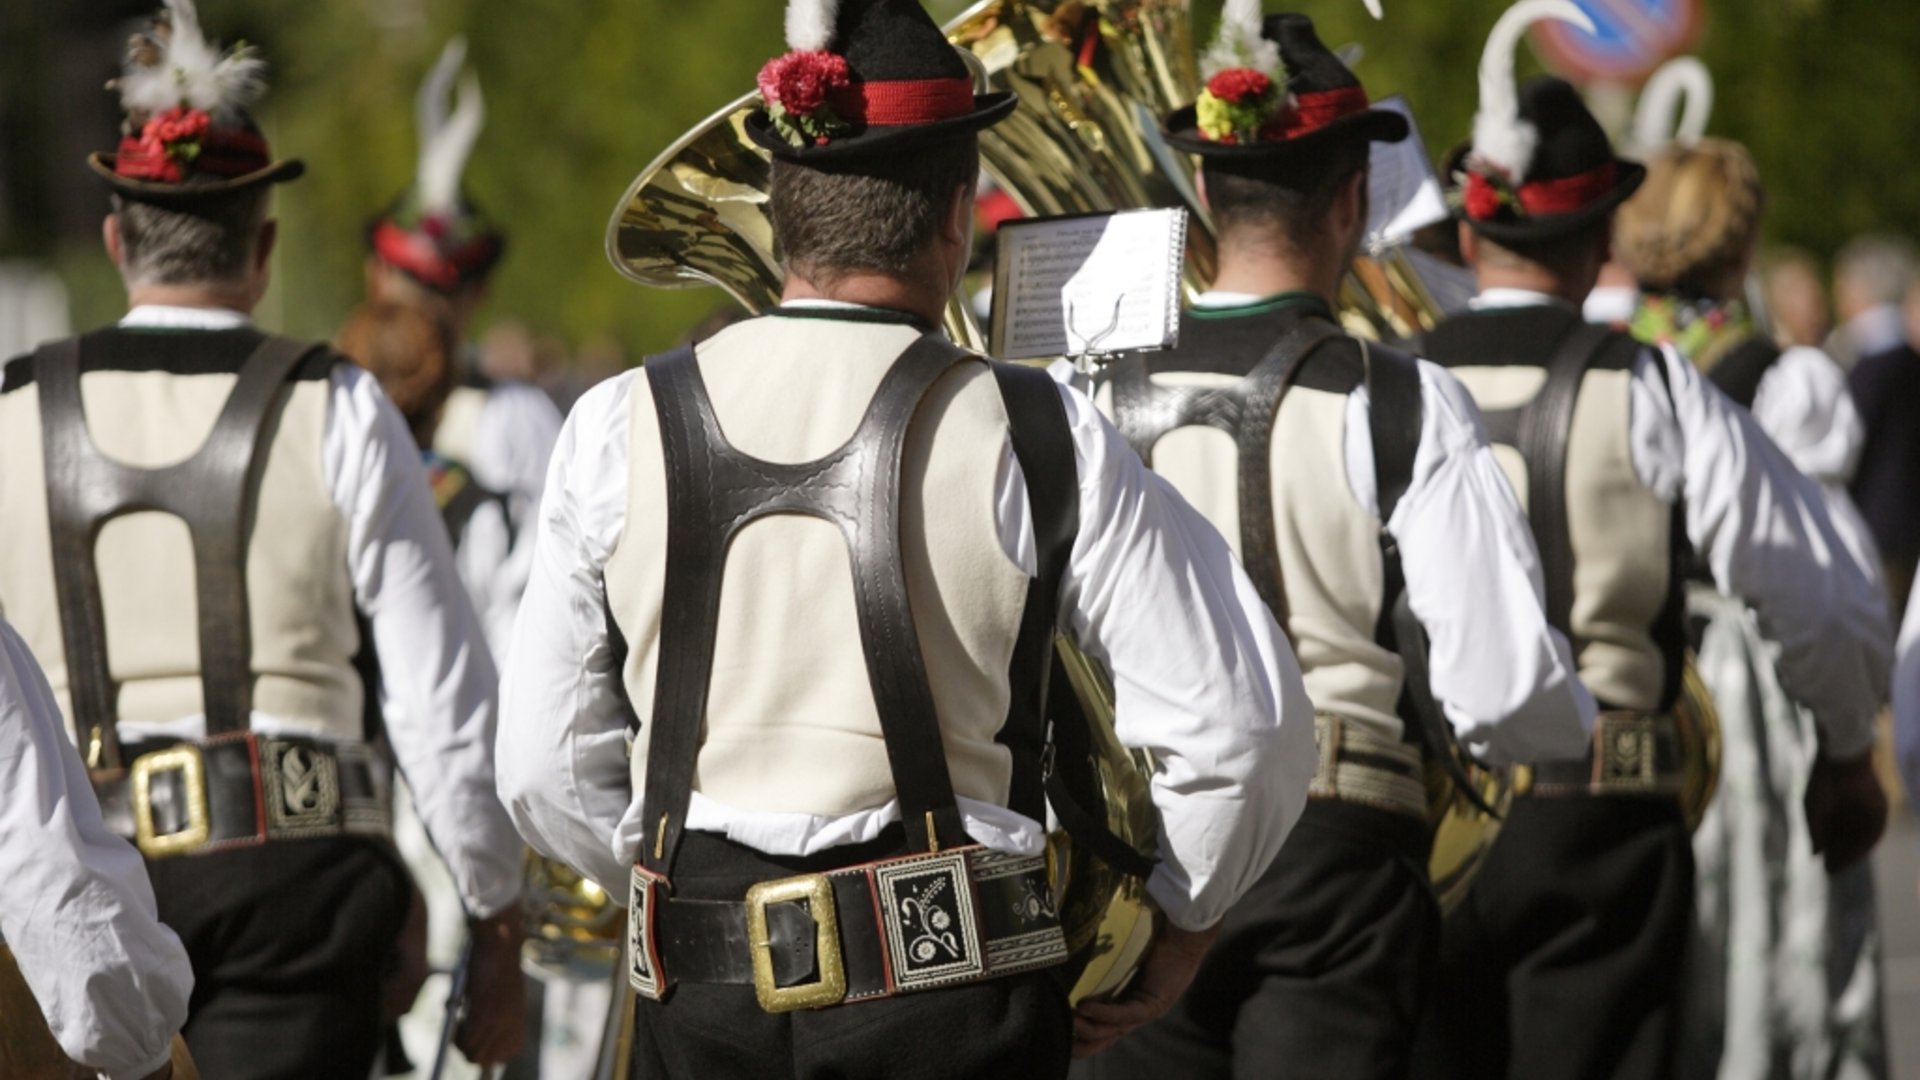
(1246, 411)
(713, 490)
(213, 492)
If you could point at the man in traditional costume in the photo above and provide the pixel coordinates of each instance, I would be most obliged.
(225, 558)
(1565, 958)
(858, 756)
(435, 247)
(76, 910)
(1370, 511)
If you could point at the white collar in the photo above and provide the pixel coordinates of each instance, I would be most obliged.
(1215, 298)
(1876, 330)
(170, 317)
(1498, 298)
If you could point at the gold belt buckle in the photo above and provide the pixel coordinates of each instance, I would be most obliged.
(817, 893)
(186, 760)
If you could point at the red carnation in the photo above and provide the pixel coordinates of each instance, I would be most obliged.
(799, 82)
(1483, 200)
(178, 124)
(1239, 86)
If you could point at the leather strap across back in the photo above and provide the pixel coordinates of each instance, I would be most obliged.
(213, 492)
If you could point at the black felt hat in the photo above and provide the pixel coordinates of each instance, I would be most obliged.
(867, 77)
(1572, 179)
(188, 137)
(1325, 105)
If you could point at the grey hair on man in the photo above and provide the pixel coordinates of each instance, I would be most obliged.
(1873, 270)
(213, 241)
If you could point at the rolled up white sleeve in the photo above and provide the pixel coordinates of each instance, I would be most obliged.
(75, 904)
(1203, 678)
(562, 743)
(1505, 678)
(438, 683)
(1764, 531)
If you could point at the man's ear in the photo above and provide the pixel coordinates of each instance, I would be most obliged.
(110, 236)
(1353, 201)
(1469, 246)
(1200, 189)
(958, 227)
(263, 244)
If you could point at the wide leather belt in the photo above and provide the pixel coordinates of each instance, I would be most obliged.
(1360, 766)
(919, 922)
(1633, 753)
(243, 790)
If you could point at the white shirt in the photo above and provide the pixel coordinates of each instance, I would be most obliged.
(1764, 531)
(1906, 700)
(1202, 676)
(1505, 678)
(438, 682)
(75, 904)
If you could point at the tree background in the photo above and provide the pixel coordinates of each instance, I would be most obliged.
(581, 94)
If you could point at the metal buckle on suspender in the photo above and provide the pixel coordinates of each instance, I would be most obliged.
(816, 892)
(185, 760)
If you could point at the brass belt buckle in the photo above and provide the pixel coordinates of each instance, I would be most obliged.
(186, 760)
(817, 893)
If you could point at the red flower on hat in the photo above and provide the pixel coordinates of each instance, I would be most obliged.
(177, 126)
(1240, 86)
(801, 81)
(1482, 198)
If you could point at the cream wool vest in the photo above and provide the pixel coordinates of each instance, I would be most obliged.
(1328, 544)
(791, 725)
(1622, 533)
(300, 596)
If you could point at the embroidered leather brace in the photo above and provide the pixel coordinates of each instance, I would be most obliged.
(243, 790)
(1632, 753)
(213, 492)
(896, 926)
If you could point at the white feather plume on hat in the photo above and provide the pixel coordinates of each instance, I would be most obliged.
(1239, 43)
(810, 24)
(1501, 140)
(1681, 79)
(446, 139)
(1373, 8)
(173, 64)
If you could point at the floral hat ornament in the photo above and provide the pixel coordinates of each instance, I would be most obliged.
(864, 76)
(434, 233)
(187, 134)
(1539, 164)
(1275, 90)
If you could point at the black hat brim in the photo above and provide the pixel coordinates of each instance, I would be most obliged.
(988, 110)
(147, 191)
(1373, 125)
(1631, 174)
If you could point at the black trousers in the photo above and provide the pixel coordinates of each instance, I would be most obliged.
(289, 943)
(1321, 970)
(1565, 959)
(1018, 1026)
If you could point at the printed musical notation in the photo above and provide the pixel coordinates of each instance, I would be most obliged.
(1088, 284)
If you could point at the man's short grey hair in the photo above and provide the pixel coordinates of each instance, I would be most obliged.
(211, 242)
(1881, 266)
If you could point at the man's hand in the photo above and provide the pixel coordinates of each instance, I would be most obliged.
(1169, 968)
(496, 1020)
(1846, 810)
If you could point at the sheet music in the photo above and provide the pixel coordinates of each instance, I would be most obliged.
(1088, 284)
(1404, 193)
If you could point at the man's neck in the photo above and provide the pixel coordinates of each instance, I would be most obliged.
(212, 297)
(1532, 279)
(1260, 272)
(924, 299)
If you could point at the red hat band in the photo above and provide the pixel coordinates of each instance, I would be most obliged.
(223, 153)
(902, 102)
(1316, 109)
(417, 254)
(1561, 195)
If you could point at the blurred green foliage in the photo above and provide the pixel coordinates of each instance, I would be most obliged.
(581, 94)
